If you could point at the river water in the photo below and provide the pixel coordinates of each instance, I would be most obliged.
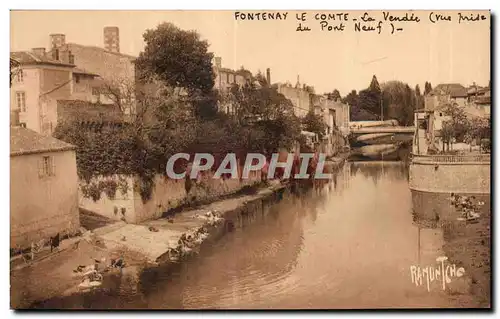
(349, 244)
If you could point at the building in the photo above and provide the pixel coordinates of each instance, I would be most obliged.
(71, 71)
(225, 79)
(479, 101)
(298, 95)
(40, 81)
(107, 61)
(453, 93)
(43, 187)
(342, 117)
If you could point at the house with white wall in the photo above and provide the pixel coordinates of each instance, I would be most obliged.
(43, 187)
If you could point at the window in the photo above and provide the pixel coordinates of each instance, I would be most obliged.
(71, 58)
(46, 167)
(21, 101)
(77, 78)
(22, 125)
(20, 76)
(440, 114)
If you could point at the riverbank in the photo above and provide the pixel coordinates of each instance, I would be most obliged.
(149, 245)
(469, 245)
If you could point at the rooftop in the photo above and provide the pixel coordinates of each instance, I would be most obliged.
(71, 44)
(25, 141)
(452, 89)
(29, 58)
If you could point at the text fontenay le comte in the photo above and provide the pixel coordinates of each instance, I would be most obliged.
(362, 22)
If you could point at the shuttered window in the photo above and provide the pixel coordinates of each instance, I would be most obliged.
(46, 167)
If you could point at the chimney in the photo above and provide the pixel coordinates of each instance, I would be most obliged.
(112, 39)
(39, 52)
(268, 76)
(218, 62)
(57, 40)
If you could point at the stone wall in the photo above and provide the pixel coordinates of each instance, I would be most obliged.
(167, 194)
(436, 177)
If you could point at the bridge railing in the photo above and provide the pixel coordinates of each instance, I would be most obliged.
(462, 158)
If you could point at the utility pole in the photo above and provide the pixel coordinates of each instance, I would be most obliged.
(382, 108)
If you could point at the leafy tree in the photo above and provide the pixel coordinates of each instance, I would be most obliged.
(399, 102)
(352, 98)
(420, 102)
(314, 123)
(427, 88)
(178, 57)
(334, 95)
(458, 125)
(370, 99)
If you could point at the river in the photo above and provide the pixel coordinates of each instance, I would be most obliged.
(349, 244)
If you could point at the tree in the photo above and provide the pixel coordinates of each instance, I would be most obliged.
(370, 99)
(427, 88)
(399, 102)
(420, 102)
(14, 70)
(334, 95)
(374, 85)
(314, 123)
(178, 57)
(351, 98)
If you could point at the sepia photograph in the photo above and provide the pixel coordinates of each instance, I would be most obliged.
(250, 159)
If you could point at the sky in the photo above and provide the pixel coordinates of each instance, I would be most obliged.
(441, 52)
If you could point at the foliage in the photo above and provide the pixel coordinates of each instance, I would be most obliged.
(262, 120)
(399, 102)
(478, 129)
(314, 123)
(420, 101)
(334, 95)
(14, 70)
(427, 88)
(370, 99)
(178, 57)
(458, 124)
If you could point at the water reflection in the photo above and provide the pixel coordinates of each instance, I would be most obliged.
(346, 244)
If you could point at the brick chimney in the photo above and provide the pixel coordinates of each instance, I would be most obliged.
(268, 76)
(39, 52)
(112, 39)
(57, 40)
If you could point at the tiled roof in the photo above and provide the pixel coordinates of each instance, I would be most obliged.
(25, 57)
(25, 141)
(452, 89)
(70, 44)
